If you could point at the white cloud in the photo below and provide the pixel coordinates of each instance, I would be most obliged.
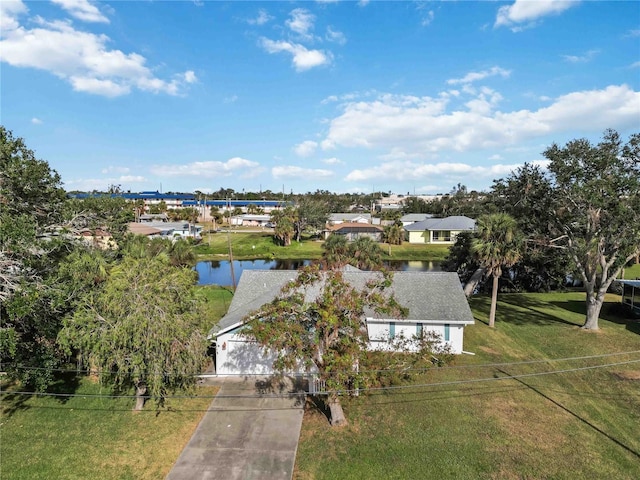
(262, 18)
(102, 184)
(424, 125)
(207, 169)
(292, 171)
(301, 22)
(335, 36)
(189, 76)
(332, 161)
(633, 33)
(414, 171)
(9, 13)
(635, 65)
(131, 178)
(476, 76)
(306, 148)
(114, 169)
(427, 18)
(36, 121)
(82, 10)
(81, 58)
(303, 59)
(231, 99)
(588, 56)
(524, 13)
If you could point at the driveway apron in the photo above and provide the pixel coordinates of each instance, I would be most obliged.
(250, 431)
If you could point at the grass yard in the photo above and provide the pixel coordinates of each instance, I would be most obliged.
(249, 245)
(573, 425)
(98, 438)
(632, 272)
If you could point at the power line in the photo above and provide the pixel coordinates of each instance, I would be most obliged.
(364, 389)
(444, 367)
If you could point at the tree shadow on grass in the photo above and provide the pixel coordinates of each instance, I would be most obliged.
(613, 312)
(520, 309)
(65, 384)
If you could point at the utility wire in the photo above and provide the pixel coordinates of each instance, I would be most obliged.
(364, 389)
(399, 369)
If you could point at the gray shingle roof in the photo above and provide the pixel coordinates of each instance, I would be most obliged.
(428, 296)
(415, 217)
(457, 223)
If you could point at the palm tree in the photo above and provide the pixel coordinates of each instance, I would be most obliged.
(336, 251)
(366, 254)
(394, 234)
(498, 244)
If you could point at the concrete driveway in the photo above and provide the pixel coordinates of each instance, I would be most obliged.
(251, 431)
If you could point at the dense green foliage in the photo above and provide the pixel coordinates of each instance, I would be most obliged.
(32, 247)
(596, 210)
(140, 328)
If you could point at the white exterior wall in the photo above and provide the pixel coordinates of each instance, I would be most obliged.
(235, 355)
(379, 333)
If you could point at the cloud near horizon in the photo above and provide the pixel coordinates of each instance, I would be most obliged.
(293, 171)
(209, 169)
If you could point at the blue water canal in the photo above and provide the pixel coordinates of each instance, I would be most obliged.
(218, 272)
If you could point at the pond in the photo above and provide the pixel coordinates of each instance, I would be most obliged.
(218, 272)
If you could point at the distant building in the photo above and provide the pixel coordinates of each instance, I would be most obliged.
(353, 231)
(336, 218)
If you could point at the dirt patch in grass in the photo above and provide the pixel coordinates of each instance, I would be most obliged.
(627, 375)
(489, 350)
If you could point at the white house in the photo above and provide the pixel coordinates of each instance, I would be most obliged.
(435, 302)
(337, 218)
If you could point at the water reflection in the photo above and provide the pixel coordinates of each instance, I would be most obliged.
(218, 272)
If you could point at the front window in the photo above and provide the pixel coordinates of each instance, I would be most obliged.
(441, 236)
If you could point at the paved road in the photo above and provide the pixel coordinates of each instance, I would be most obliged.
(252, 435)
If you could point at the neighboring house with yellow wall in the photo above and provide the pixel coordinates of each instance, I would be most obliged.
(439, 230)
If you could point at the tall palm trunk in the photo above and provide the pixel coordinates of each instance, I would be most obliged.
(494, 301)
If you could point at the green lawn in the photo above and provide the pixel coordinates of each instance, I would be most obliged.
(632, 272)
(246, 245)
(98, 438)
(573, 425)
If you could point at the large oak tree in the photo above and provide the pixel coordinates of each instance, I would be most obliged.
(595, 216)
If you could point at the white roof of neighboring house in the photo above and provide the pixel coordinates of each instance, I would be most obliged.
(254, 218)
(456, 223)
(434, 297)
(348, 217)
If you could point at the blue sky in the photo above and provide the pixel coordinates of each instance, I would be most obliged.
(339, 96)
